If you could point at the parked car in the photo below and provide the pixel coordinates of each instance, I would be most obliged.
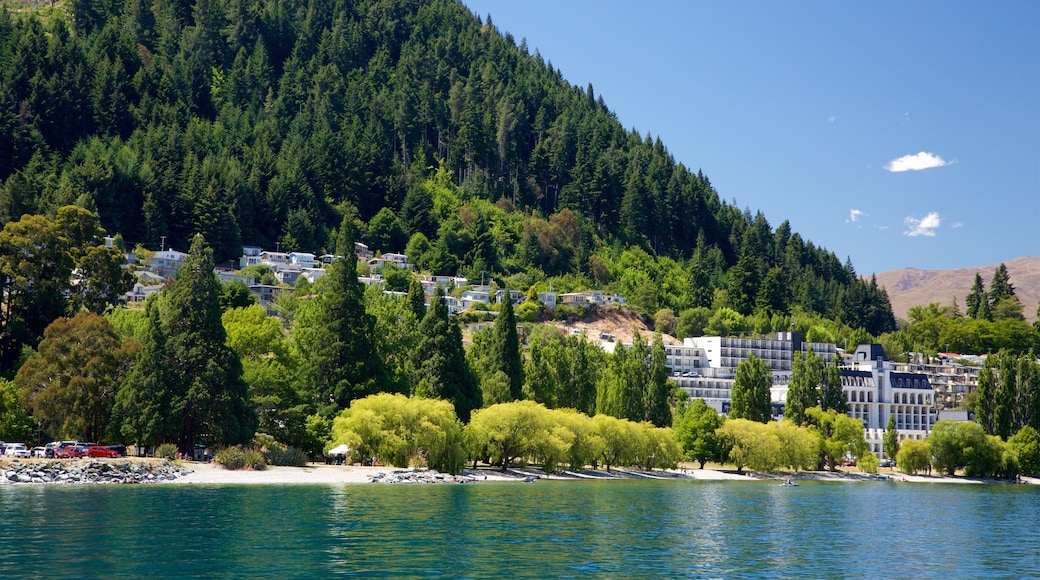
(77, 450)
(99, 451)
(16, 450)
(38, 452)
(886, 462)
(119, 449)
(60, 449)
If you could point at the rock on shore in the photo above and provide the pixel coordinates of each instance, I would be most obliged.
(418, 476)
(89, 471)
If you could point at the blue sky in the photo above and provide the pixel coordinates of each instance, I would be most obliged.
(899, 134)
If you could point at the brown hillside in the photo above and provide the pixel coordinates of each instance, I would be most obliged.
(910, 287)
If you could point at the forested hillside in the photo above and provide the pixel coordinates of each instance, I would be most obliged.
(265, 122)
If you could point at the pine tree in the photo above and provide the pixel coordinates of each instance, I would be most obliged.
(140, 410)
(335, 335)
(209, 397)
(658, 389)
(416, 298)
(506, 345)
(803, 389)
(977, 300)
(1000, 287)
(441, 360)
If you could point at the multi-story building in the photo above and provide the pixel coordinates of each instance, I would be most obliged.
(951, 381)
(704, 366)
(874, 386)
(877, 388)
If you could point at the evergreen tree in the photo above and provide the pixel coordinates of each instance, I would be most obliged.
(977, 300)
(1005, 399)
(141, 409)
(750, 395)
(1029, 390)
(803, 388)
(212, 396)
(984, 396)
(335, 336)
(658, 389)
(506, 345)
(443, 370)
(1000, 287)
(832, 397)
(416, 298)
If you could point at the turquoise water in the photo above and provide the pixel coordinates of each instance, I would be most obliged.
(635, 529)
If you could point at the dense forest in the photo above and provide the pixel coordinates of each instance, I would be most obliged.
(265, 122)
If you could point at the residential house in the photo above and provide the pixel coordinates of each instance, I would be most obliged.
(166, 263)
(250, 256)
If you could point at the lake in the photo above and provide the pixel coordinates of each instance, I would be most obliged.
(614, 529)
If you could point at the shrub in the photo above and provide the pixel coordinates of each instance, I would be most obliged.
(254, 460)
(166, 451)
(277, 455)
(231, 458)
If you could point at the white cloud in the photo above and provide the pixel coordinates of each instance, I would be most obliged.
(832, 118)
(916, 162)
(854, 216)
(925, 226)
(957, 225)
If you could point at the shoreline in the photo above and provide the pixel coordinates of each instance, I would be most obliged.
(198, 473)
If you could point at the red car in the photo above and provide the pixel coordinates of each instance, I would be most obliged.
(100, 451)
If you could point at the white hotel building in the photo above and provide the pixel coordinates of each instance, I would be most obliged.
(705, 366)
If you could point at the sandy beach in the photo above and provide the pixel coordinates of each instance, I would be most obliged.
(316, 473)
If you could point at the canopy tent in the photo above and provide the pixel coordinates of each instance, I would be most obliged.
(339, 450)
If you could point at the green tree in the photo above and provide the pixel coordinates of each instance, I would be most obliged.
(210, 397)
(1005, 399)
(335, 335)
(441, 361)
(750, 394)
(696, 431)
(985, 395)
(268, 369)
(750, 444)
(977, 300)
(832, 397)
(1026, 446)
(803, 387)
(658, 388)
(914, 456)
(72, 384)
(506, 355)
(840, 435)
(890, 441)
(15, 422)
(403, 431)
(507, 431)
(952, 443)
(143, 409)
(35, 267)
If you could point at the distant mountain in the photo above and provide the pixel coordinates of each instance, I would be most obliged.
(911, 287)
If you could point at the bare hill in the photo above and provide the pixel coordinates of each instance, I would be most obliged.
(912, 287)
